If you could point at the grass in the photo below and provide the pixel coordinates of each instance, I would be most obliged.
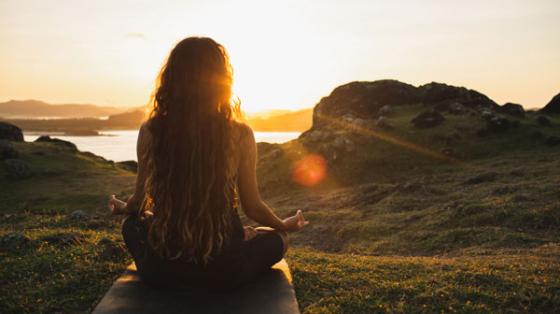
(43, 275)
(62, 180)
(336, 283)
(445, 211)
(391, 230)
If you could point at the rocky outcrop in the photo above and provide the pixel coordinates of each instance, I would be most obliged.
(47, 139)
(10, 132)
(553, 105)
(369, 100)
(496, 123)
(363, 99)
(330, 143)
(438, 93)
(512, 109)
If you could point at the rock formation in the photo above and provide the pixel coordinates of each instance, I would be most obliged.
(553, 105)
(369, 100)
(10, 132)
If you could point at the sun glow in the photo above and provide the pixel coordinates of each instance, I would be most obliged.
(285, 54)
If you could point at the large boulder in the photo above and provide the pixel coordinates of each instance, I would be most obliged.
(512, 109)
(427, 119)
(363, 99)
(10, 132)
(47, 139)
(553, 105)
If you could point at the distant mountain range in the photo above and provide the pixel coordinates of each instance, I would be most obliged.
(29, 115)
(33, 109)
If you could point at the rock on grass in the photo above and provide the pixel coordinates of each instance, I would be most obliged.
(10, 132)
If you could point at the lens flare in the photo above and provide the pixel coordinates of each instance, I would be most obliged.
(310, 170)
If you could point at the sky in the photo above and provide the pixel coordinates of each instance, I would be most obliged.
(285, 54)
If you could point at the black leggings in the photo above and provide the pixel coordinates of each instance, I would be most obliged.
(241, 262)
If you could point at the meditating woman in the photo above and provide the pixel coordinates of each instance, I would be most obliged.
(196, 167)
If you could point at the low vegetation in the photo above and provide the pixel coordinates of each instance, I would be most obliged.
(400, 224)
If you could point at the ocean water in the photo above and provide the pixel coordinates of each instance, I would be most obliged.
(121, 145)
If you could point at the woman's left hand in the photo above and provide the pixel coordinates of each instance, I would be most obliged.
(250, 232)
(116, 206)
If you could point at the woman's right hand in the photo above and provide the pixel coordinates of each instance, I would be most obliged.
(296, 222)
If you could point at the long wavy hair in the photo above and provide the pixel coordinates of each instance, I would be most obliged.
(190, 185)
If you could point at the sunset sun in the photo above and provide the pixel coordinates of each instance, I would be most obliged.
(389, 157)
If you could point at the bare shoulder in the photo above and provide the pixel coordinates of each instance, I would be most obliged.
(146, 125)
(144, 138)
(145, 130)
(243, 131)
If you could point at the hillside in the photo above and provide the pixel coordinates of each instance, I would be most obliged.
(60, 251)
(421, 199)
(386, 131)
(37, 109)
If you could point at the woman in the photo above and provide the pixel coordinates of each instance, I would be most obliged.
(196, 166)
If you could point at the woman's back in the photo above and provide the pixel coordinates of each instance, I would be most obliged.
(196, 167)
(237, 262)
(238, 134)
